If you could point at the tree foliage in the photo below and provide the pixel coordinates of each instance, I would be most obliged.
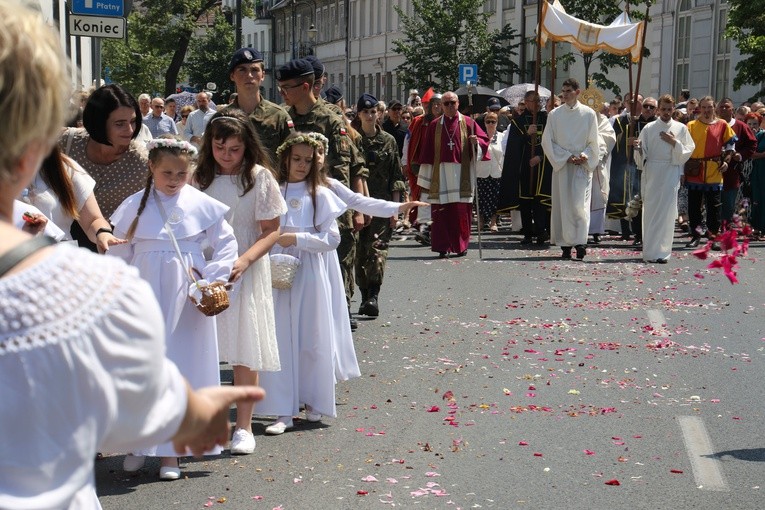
(159, 37)
(440, 35)
(607, 11)
(746, 25)
(209, 56)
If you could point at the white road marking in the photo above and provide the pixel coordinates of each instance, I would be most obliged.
(706, 469)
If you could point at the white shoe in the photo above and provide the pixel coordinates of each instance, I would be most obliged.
(310, 415)
(133, 463)
(279, 426)
(169, 473)
(242, 443)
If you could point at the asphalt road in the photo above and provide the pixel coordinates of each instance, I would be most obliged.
(519, 381)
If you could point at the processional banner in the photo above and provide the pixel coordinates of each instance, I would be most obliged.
(621, 37)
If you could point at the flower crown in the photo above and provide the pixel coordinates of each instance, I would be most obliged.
(320, 137)
(171, 143)
(305, 138)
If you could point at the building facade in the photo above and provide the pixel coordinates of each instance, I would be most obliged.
(354, 39)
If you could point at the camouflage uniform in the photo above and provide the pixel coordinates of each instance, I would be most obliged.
(342, 167)
(272, 123)
(385, 177)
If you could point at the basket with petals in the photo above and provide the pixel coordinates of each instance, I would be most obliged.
(214, 298)
(284, 267)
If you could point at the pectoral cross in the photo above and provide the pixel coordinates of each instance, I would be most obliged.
(451, 145)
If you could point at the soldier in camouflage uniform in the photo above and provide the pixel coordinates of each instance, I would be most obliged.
(385, 182)
(272, 122)
(295, 85)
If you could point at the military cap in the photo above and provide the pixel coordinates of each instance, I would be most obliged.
(244, 56)
(318, 67)
(333, 95)
(294, 69)
(365, 102)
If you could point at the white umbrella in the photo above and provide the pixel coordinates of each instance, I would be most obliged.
(514, 93)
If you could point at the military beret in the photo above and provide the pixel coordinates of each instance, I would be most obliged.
(395, 105)
(294, 69)
(333, 95)
(244, 56)
(318, 67)
(365, 102)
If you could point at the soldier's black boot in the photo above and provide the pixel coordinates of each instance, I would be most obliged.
(364, 297)
(369, 307)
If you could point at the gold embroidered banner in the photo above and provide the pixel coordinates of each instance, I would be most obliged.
(621, 37)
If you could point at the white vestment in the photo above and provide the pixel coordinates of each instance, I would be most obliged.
(571, 131)
(600, 178)
(662, 166)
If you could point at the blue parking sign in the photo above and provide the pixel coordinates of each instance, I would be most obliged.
(111, 8)
(468, 73)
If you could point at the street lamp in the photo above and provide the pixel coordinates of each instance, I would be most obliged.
(312, 33)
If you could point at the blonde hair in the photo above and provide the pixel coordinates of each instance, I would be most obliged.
(34, 86)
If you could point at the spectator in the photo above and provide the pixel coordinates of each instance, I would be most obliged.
(101, 380)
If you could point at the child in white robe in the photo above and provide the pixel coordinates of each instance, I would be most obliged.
(306, 313)
(144, 218)
(234, 168)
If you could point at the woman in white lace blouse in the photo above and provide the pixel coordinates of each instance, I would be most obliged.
(82, 363)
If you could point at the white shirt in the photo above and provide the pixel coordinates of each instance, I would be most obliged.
(82, 370)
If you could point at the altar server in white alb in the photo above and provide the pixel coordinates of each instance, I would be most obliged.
(600, 178)
(662, 149)
(570, 142)
(146, 219)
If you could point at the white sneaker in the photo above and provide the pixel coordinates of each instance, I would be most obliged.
(279, 426)
(169, 473)
(242, 443)
(133, 463)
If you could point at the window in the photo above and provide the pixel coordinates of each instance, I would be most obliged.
(341, 21)
(334, 28)
(508, 4)
(489, 6)
(683, 48)
(722, 60)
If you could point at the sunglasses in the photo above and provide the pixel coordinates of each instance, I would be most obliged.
(491, 121)
(649, 107)
(448, 103)
(350, 115)
(184, 116)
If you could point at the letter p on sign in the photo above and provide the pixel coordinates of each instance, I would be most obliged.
(468, 73)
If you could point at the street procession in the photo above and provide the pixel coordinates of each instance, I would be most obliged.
(309, 254)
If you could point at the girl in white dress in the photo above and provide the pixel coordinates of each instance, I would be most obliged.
(306, 313)
(144, 219)
(234, 169)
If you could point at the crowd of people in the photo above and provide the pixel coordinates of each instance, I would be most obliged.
(177, 201)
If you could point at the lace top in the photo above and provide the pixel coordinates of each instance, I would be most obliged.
(82, 369)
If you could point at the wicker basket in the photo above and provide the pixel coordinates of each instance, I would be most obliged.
(283, 270)
(214, 298)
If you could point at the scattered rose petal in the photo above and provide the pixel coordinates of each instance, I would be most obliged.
(431, 474)
(522, 443)
(676, 471)
(537, 454)
(362, 493)
(434, 409)
(369, 478)
(589, 452)
(613, 482)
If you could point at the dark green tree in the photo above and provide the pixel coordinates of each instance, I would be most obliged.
(166, 28)
(209, 56)
(440, 35)
(746, 26)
